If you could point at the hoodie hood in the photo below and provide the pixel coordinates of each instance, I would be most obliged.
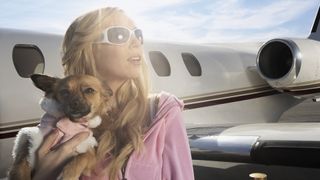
(166, 102)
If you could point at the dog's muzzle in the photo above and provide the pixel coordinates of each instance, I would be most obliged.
(76, 110)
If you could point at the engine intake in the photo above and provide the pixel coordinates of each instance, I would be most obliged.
(275, 60)
(291, 65)
(279, 62)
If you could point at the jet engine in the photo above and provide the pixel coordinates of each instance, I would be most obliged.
(291, 65)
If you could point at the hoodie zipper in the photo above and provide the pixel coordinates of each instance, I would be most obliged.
(124, 167)
(123, 172)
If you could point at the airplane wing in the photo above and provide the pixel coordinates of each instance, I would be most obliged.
(290, 144)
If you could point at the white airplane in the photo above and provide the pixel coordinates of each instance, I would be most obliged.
(234, 95)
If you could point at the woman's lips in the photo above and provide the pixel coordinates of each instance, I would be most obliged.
(136, 60)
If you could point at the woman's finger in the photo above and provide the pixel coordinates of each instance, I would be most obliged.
(69, 146)
(48, 142)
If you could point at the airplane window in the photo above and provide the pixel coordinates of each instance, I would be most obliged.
(27, 59)
(160, 63)
(192, 64)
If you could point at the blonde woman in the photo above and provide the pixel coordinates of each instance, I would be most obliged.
(148, 139)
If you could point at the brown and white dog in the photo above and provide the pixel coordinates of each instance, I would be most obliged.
(72, 104)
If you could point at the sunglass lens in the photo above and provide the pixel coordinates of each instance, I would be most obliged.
(138, 34)
(118, 35)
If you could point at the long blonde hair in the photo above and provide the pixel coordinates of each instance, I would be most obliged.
(126, 132)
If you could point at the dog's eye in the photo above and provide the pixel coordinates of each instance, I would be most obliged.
(64, 93)
(89, 91)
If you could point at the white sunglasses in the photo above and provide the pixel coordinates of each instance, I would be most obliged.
(119, 35)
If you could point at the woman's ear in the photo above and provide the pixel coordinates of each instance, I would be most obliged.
(43, 82)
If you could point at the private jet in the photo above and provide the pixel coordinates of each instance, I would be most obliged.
(234, 96)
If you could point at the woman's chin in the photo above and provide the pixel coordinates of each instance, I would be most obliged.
(135, 73)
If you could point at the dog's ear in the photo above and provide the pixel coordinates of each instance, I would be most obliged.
(109, 92)
(43, 82)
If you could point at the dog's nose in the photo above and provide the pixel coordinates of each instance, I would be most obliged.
(79, 111)
(75, 104)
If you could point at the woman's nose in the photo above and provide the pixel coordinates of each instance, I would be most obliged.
(134, 41)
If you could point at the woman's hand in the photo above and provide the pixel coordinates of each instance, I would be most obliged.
(50, 162)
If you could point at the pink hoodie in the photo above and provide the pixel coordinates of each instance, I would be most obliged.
(166, 154)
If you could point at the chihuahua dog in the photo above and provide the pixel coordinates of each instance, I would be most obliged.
(72, 104)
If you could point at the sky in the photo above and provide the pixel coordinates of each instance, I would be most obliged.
(192, 21)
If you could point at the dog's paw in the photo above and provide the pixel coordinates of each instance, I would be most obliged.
(94, 122)
(83, 147)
